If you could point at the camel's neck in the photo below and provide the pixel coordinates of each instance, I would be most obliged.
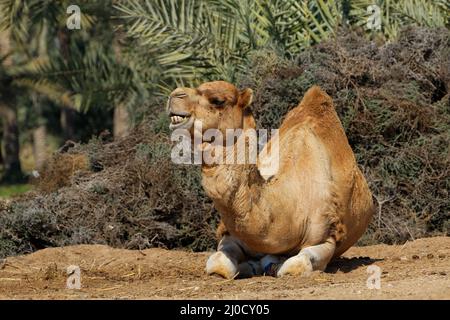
(233, 187)
(227, 184)
(236, 190)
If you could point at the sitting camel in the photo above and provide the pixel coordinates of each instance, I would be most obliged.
(314, 208)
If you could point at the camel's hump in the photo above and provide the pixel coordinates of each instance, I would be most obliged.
(316, 98)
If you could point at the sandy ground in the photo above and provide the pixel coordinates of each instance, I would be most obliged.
(416, 270)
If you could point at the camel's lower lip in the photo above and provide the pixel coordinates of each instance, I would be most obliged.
(181, 122)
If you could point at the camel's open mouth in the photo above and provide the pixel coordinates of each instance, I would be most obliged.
(178, 121)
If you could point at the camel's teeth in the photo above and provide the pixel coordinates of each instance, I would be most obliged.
(177, 119)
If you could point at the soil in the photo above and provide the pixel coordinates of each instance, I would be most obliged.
(418, 269)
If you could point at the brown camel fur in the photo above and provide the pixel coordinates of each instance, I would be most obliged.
(315, 207)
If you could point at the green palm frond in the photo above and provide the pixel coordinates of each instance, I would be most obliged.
(32, 75)
(50, 90)
(180, 42)
(185, 39)
(22, 17)
(420, 12)
(164, 24)
(396, 14)
(90, 75)
(294, 25)
(191, 41)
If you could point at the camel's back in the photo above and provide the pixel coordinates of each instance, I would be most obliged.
(316, 121)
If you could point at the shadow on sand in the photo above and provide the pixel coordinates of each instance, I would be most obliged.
(348, 264)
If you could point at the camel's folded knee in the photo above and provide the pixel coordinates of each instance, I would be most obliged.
(220, 264)
(309, 259)
(299, 265)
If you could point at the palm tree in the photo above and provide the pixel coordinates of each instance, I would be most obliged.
(188, 41)
(80, 71)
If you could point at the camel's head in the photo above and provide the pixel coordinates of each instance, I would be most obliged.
(218, 105)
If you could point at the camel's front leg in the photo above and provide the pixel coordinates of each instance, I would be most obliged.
(225, 262)
(309, 259)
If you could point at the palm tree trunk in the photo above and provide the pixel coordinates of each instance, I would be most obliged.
(67, 120)
(40, 131)
(68, 115)
(121, 121)
(1, 138)
(1, 153)
(11, 160)
(40, 146)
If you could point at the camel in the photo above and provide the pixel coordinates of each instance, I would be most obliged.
(314, 208)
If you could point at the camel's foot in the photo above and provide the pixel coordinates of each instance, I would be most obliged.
(220, 264)
(299, 265)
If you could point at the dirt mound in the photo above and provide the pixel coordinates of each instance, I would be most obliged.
(415, 270)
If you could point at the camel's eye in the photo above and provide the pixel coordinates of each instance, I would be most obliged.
(217, 102)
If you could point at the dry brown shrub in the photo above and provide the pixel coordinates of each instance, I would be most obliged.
(131, 195)
(59, 170)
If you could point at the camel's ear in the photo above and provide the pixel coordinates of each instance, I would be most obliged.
(245, 98)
